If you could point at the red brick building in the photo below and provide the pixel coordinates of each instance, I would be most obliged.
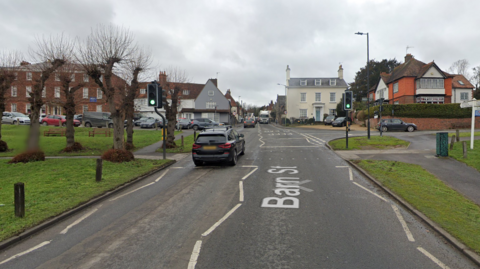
(88, 98)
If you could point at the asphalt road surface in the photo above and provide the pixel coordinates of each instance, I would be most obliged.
(288, 203)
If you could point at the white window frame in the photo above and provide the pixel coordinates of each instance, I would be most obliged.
(16, 76)
(72, 77)
(303, 97)
(57, 92)
(143, 91)
(395, 87)
(331, 112)
(333, 82)
(465, 95)
(44, 91)
(319, 95)
(211, 105)
(57, 76)
(303, 82)
(85, 108)
(186, 92)
(334, 95)
(85, 93)
(14, 91)
(318, 82)
(85, 78)
(13, 107)
(28, 90)
(29, 75)
(99, 93)
(27, 107)
(306, 113)
(99, 108)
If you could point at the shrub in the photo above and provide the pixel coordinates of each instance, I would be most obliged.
(75, 148)
(118, 155)
(129, 146)
(361, 116)
(443, 111)
(311, 120)
(29, 156)
(3, 146)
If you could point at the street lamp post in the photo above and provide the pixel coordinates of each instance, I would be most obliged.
(286, 107)
(368, 84)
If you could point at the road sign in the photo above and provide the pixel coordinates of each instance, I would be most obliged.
(470, 103)
(477, 113)
(93, 99)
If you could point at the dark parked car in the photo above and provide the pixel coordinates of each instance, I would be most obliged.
(329, 119)
(249, 122)
(396, 125)
(150, 123)
(202, 123)
(141, 120)
(341, 121)
(97, 119)
(184, 124)
(218, 145)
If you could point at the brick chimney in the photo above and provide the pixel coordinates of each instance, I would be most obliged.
(340, 72)
(162, 78)
(23, 63)
(214, 80)
(408, 57)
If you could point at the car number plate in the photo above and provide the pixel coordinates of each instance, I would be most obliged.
(209, 147)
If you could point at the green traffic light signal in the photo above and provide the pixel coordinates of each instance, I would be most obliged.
(152, 102)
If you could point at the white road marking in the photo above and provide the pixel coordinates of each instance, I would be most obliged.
(350, 174)
(341, 166)
(160, 177)
(370, 191)
(176, 167)
(404, 224)
(221, 220)
(78, 221)
(431, 257)
(26, 251)
(249, 166)
(291, 146)
(195, 254)
(131, 191)
(245, 177)
(240, 186)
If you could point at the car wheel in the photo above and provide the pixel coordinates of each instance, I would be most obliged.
(384, 128)
(243, 150)
(88, 124)
(14, 122)
(198, 163)
(410, 129)
(45, 123)
(110, 125)
(233, 162)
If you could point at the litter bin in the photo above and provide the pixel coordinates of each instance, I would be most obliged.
(442, 144)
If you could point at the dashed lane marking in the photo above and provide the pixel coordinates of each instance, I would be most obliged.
(79, 220)
(404, 224)
(433, 258)
(211, 229)
(195, 254)
(370, 191)
(26, 251)
(132, 191)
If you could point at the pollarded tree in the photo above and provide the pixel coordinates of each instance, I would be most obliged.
(105, 49)
(460, 67)
(8, 63)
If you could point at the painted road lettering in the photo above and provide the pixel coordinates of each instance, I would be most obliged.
(289, 186)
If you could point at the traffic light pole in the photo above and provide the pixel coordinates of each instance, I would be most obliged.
(163, 128)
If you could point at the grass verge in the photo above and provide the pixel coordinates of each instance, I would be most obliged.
(16, 137)
(443, 205)
(375, 142)
(187, 145)
(57, 185)
(473, 156)
(464, 134)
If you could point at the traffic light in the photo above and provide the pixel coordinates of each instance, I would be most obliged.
(152, 95)
(163, 97)
(348, 100)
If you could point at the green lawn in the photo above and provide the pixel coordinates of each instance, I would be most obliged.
(16, 137)
(464, 134)
(375, 142)
(443, 205)
(57, 185)
(187, 145)
(473, 156)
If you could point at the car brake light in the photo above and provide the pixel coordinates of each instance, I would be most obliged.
(225, 146)
(196, 146)
(244, 122)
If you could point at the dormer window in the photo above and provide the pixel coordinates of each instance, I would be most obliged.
(186, 92)
(303, 82)
(461, 82)
(318, 82)
(333, 82)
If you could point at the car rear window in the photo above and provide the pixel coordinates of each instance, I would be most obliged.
(214, 138)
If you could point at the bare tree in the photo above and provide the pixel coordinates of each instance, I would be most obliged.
(50, 54)
(174, 84)
(460, 67)
(476, 77)
(105, 49)
(132, 70)
(8, 64)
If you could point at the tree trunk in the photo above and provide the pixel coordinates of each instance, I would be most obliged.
(118, 133)
(34, 131)
(2, 106)
(70, 132)
(129, 129)
(171, 132)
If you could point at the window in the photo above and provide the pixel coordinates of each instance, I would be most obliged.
(461, 82)
(44, 91)
(99, 108)
(57, 92)
(430, 100)
(430, 83)
(143, 91)
(332, 97)
(29, 76)
(318, 82)
(331, 112)
(211, 93)
(85, 78)
(85, 93)
(303, 97)
(99, 93)
(14, 107)
(464, 96)
(85, 108)
(396, 103)
(57, 76)
(318, 97)
(395, 87)
(16, 76)
(14, 91)
(29, 90)
(187, 115)
(211, 104)
(303, 82)
(101, 78)
(186, 92)
(27, 108)
(333, 82)
(303, 113)
(73, 77)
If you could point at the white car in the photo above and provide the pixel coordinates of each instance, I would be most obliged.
(14, 117)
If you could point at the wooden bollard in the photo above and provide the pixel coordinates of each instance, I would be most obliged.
(19, 189)
(98, 176)
(464, 149)
(182, 141)
(452, 142)
(458, 135)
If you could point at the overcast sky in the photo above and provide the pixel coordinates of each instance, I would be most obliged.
(250, 42)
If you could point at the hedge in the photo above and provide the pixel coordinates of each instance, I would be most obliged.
(443, 111)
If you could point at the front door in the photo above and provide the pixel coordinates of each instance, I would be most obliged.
(318, 114)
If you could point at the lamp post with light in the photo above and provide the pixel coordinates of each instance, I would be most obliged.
(286, 108)
(368, 85)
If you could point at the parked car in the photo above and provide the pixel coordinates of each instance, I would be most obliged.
(218, 146)
(150, 123)
(41, 118)
(329, 119)
(341, 121)
(55, 120)
(202, 123)
(78, 117)
(97, 119)
(395, 125)
(249, 122)
(183, 124)
(141, 120)
(14, 117)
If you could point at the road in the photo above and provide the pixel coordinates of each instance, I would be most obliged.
(290, 202)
